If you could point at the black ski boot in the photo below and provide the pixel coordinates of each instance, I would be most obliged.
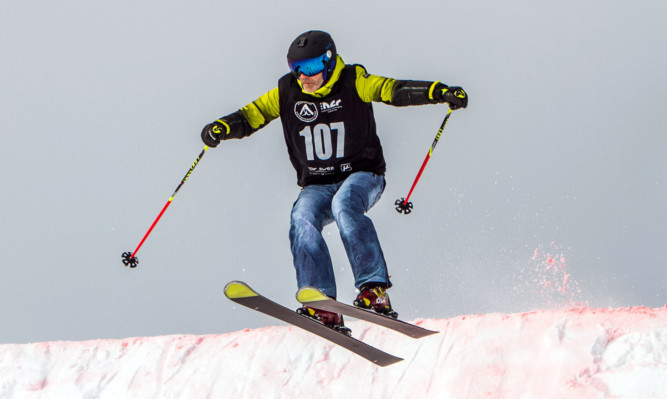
(375, 297)
(332, 320)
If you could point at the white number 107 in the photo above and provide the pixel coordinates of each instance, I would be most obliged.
(318, 140)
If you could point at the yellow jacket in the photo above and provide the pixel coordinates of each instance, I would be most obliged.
(371, 88)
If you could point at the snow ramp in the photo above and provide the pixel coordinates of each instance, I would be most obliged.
(574, 353)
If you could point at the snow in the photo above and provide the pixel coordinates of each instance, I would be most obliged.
(570, 353)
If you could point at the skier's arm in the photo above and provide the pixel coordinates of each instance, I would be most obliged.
(245, 121)
(407, 92)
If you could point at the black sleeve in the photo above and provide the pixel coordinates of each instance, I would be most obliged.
(237, 126)
(413, 92)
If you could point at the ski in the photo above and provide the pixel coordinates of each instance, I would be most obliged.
(242, 294)
(314, 298)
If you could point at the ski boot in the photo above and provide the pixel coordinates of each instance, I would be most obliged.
(375, 297)
(332, 320)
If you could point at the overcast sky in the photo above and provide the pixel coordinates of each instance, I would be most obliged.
(561, 153)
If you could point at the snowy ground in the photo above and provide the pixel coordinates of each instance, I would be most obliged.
(575, 353)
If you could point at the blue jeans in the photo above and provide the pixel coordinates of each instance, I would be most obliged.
(345, 203)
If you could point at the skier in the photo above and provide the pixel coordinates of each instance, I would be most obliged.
(325, 107)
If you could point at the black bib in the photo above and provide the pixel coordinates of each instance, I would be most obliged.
(331, 137)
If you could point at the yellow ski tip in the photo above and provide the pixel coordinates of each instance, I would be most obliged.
(310, 294)
(239, 289)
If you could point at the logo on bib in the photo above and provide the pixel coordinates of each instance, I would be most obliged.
(334, 105)
(305, 111)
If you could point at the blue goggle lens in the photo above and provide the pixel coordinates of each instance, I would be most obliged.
(309, 66)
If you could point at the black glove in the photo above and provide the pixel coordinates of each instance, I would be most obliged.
(454, 95)
(212, 133)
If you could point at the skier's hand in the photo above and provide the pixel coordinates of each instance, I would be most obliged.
(454, 95)
(212, 133)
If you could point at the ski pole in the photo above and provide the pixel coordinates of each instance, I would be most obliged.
(404, 205)
(129, 258)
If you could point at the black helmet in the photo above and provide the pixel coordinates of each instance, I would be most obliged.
(312, 52)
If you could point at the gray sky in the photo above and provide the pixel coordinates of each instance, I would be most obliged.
(562, 149)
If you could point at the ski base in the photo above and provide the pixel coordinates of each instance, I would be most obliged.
(313, 297)
(242, 294)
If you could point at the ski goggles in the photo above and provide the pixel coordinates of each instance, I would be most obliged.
(309, 66)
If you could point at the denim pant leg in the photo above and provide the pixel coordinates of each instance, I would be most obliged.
(358, 193)
(312, 261)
